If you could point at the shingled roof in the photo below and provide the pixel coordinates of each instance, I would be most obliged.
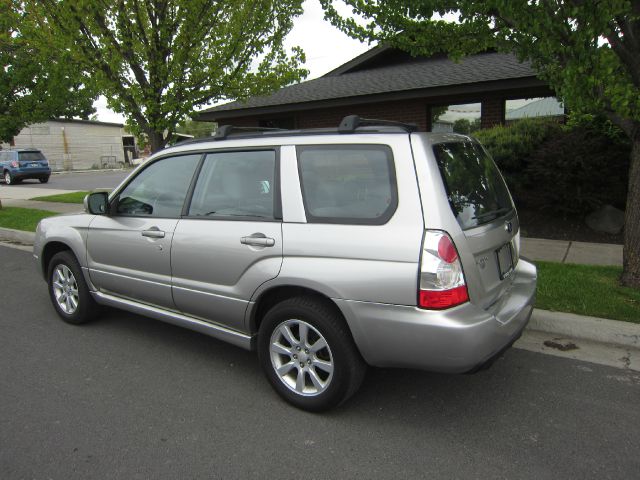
(366, 77)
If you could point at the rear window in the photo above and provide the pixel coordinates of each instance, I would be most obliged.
(30, 156)
(351, 184)
(476, 190)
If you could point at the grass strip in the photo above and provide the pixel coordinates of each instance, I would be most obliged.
(22, 218)
(72, 197)
(586, 290)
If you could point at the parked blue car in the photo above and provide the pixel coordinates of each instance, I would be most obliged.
(22, 163)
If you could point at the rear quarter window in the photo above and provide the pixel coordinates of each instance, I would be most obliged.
(475, 188)
(348, 184)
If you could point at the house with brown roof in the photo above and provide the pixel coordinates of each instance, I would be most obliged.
(387, 83)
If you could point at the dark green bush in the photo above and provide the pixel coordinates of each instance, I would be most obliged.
(570, 169)
(512, 145)
(578, 170)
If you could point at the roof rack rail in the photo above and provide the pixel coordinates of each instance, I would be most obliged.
(224, 131)
(350, 123)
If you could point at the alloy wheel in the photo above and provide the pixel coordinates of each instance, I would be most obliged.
(65, 289)
(301, 357)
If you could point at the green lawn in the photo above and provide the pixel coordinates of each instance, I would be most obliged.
(586, 290)
(73, 197)
(22, 218)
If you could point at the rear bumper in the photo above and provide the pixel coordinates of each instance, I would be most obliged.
(23, 174)
(458, 340)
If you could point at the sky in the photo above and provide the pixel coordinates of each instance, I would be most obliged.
(324, 45)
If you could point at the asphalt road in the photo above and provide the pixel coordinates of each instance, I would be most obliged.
(79, 181)
(128, 397)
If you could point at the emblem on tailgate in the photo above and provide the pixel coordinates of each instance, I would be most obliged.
(508, 227)
(482, 261)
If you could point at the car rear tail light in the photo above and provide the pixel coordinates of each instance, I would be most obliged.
(442, 283)
(15, 164)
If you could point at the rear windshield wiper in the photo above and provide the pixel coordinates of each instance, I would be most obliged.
(492, 212)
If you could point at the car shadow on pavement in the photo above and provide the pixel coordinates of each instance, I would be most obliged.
(403, 394)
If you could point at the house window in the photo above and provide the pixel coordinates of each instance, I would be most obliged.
(459, 118)
(540, 107)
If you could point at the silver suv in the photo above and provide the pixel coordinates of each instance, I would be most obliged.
(324, 250)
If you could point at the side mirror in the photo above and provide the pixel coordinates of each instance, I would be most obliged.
(97, 203)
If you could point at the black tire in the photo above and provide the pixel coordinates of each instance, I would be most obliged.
(44, 179)
(348, 366)
(8, 178)
(86, 308)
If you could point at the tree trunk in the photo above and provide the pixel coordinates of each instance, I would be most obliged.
(156, 141)
(631, 255)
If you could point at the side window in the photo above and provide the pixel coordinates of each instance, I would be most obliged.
(351, 184)
(160, 189)
(236, 184)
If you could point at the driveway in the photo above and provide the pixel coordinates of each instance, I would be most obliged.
(129, 397)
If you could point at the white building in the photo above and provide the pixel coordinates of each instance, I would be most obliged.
(78, 144)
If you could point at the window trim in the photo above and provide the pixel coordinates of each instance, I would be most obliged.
(391, 209)
(277, 198)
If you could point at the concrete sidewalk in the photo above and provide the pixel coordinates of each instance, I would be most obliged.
(19, 197)
(571, 252)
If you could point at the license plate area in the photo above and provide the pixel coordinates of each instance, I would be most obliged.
(34, 165)
(505, 260)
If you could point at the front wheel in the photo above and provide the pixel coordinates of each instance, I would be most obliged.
(8, 178)
(308, 354)
(68, 290)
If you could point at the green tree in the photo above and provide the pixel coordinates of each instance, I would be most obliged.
(197, 129)
(35, 85)
(589, 52)
(156, 61)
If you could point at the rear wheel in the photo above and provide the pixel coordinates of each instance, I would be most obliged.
(308, 354)
(68, 290)
(44, 179)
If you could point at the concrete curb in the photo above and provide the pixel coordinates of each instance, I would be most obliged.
(599, 330)
(17, 236)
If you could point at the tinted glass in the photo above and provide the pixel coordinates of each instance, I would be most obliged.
(30, 156)
(348, 184)
(477, 193)
(233, 184)
(160, 189)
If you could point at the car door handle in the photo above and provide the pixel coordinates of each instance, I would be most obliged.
(258, 240)
(153, 232)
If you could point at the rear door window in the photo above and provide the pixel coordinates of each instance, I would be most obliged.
(350, 184)
(236, 184)
(476, 190)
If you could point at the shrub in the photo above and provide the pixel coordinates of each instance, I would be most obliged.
(577, 170)
(512, 145)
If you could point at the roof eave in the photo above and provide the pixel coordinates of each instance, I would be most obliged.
(423, 93)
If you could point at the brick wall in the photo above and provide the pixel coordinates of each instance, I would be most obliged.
(405, 111)
(492, 112)
(408, 112)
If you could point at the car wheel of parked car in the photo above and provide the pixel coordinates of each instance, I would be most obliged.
(8, 178)
(308, 354)
(44, 179)
(68, 290)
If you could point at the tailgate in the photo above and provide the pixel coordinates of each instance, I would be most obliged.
(480, 201)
